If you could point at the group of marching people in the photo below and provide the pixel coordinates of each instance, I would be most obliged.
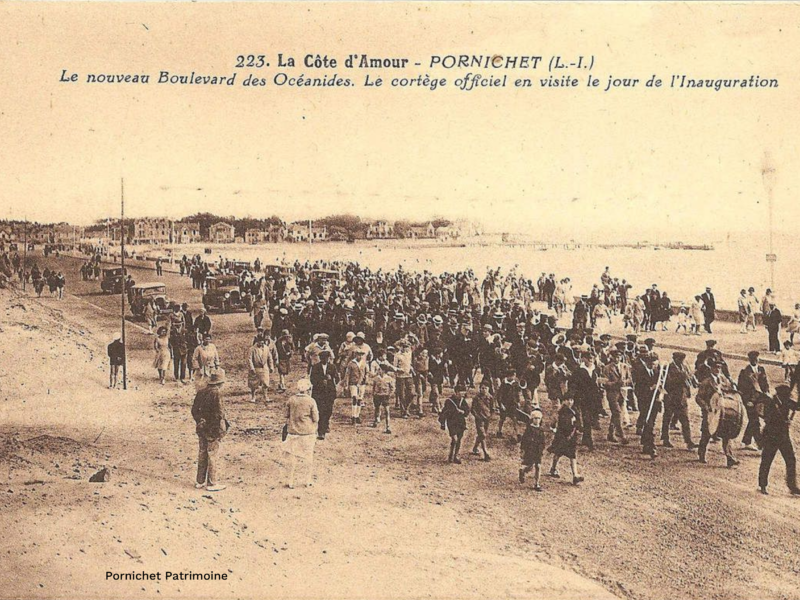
(405, 337)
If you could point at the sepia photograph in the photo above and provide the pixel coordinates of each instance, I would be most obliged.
(399, 300)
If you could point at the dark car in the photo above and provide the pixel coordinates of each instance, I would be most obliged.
(222, 294)
(142, 293)
(112, 281)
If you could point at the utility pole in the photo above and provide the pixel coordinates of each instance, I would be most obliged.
(309, 232)
(124, 285)
(25, 254)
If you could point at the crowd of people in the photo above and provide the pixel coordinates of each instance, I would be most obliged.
(471, 351)
(419, 343)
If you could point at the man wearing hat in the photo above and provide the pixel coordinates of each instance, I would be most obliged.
(316, 347)
(618, 376)
(715, 383)
(116, 358)
(705, 357)
(644, 378)
(420, 329)
(752, 381)
(323, 377)
(585, 388)
(709, 308)
(396, 329)
(208, 412)
(404, 369)
(777, 418)
(261, 364)
(284, 348)
(678, 387)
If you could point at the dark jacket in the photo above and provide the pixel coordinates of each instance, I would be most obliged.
(454, 415)
(209, 414)
(777, 420)
(116, 353)
(323, 384)
(750, 382)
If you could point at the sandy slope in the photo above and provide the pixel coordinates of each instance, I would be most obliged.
(375, 525)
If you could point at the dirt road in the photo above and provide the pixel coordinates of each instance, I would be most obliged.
(388, 516)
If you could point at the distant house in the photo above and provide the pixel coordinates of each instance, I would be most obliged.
(7, 235)
(222, 233)
(419, 232)
(255, 236)
(301, 231)
(187, 232)
(298, 232)
(277, 233)
(446, 233)
(152, 231)
(319, 233)
(380, 230)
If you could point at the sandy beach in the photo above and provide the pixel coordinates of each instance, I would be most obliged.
(635, 529)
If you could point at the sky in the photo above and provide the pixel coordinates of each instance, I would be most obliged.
(573, 163)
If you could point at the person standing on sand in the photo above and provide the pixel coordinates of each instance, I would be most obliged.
(565, 441)
(324, 378)
(772, 321)
(531, 449)
(150, 315)
(260, 361)
(162, 358)
(206, 357)
(302, 417)
(743, 307)
(709, 309)
(116, 358)
(454, 418)
(482, 411)
(208, 412)
(696, 312)
(382, 391)
(777, 419)
(179, 350)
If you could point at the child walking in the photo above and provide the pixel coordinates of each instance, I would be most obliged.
(453, 417)
(382, 390)
(532, 448)
(565, 442)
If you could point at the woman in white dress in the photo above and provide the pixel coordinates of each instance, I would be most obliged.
(163, 356)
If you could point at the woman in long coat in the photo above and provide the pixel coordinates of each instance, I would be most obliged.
(163, 357)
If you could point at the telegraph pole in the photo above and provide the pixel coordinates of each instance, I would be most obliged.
(25, 254)
(124, 285)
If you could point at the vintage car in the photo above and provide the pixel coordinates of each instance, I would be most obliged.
(238, 266)
(275, 271)
(328, 278)
(112, 281)
(142, 293)
(222, 294)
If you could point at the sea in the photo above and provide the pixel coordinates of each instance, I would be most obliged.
(733, 263)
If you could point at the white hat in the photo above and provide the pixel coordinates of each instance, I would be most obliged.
(117, 336)
(303, 385)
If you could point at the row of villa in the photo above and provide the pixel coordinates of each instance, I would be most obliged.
(158, 231)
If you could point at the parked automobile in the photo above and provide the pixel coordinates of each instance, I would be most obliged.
(327, 278)
(278, 271)
(222, 294)
(113, 281)
(142, 293)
